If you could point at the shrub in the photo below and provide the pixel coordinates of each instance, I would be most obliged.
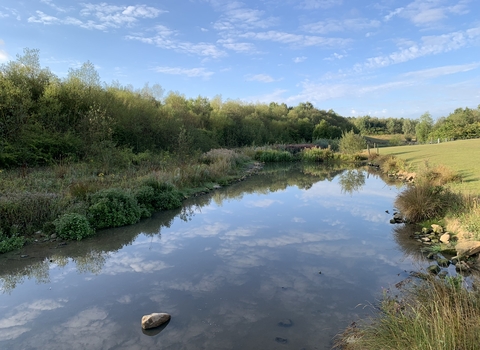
(10, 243)
(396, 140)
(424, 201)
(154, 195)
(352, 143)
(112, 208)
(270, 156)
(73, 226)
(317, 155)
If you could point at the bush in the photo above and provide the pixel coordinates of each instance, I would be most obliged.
(317, 155)
(270, 156)
(423, 201)
(73, 226)
(8, 244)
(154, 195)
(112, 208)
(352, 143)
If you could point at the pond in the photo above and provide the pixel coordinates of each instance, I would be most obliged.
(284, 260)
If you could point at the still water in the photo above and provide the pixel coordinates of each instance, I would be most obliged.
(284, 260)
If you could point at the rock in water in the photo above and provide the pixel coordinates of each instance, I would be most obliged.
(154, 320)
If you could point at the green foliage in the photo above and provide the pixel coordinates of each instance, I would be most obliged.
(112, 208)
(153, 196)
(324, 130)
(352, 143)
(271, 156)
(395, 141)
(424, 127)
(317, 155)
(73, 226)
(8, 244)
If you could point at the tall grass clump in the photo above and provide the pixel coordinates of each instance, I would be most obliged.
(438, 175)
(112, 208)
(272, 156)
(424, 201)
(431, 314)
(26, 212)
(392, 165)
(317, 155)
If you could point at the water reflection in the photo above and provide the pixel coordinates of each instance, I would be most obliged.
(228, 266)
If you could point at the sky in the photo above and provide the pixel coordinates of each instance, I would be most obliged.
(384, 58)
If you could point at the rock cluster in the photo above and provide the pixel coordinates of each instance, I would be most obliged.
(436, 235)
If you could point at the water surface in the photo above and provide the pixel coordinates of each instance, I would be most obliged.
(284, 260)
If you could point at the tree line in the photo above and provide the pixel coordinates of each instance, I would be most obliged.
(45, 119)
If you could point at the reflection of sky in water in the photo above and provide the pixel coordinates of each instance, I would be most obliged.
(228, 277)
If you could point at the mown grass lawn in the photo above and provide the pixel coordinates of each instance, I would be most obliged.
(462, 156)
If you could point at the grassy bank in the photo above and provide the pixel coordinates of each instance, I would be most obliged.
(430, 314)
(430, 311)
(73, 201)
(462, 156)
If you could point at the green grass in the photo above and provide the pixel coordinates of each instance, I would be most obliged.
(462, 156)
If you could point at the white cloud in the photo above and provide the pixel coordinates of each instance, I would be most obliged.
(43, 18)
(440, 71)
(429, 45)
(334, 56)
(164, 39)
(426, 12)
(295, 39)
(334, 25)
(188, 72)
(236, 16)
(319, 4)
(52, 5)
(299, 59)
(100, 16)
(263, 78)
(242, 47)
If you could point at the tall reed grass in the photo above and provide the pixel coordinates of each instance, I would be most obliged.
(430, 314)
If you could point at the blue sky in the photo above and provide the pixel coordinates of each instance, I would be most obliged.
(383, 58)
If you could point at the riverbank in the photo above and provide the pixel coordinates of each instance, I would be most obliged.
(72, 201)
(437, 308)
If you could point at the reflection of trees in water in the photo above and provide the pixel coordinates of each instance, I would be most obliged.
(90, 255)
(39, 270)
(351, 180)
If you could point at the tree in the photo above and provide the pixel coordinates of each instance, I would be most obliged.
(352, 143)
(408, 127)
(424, 127)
